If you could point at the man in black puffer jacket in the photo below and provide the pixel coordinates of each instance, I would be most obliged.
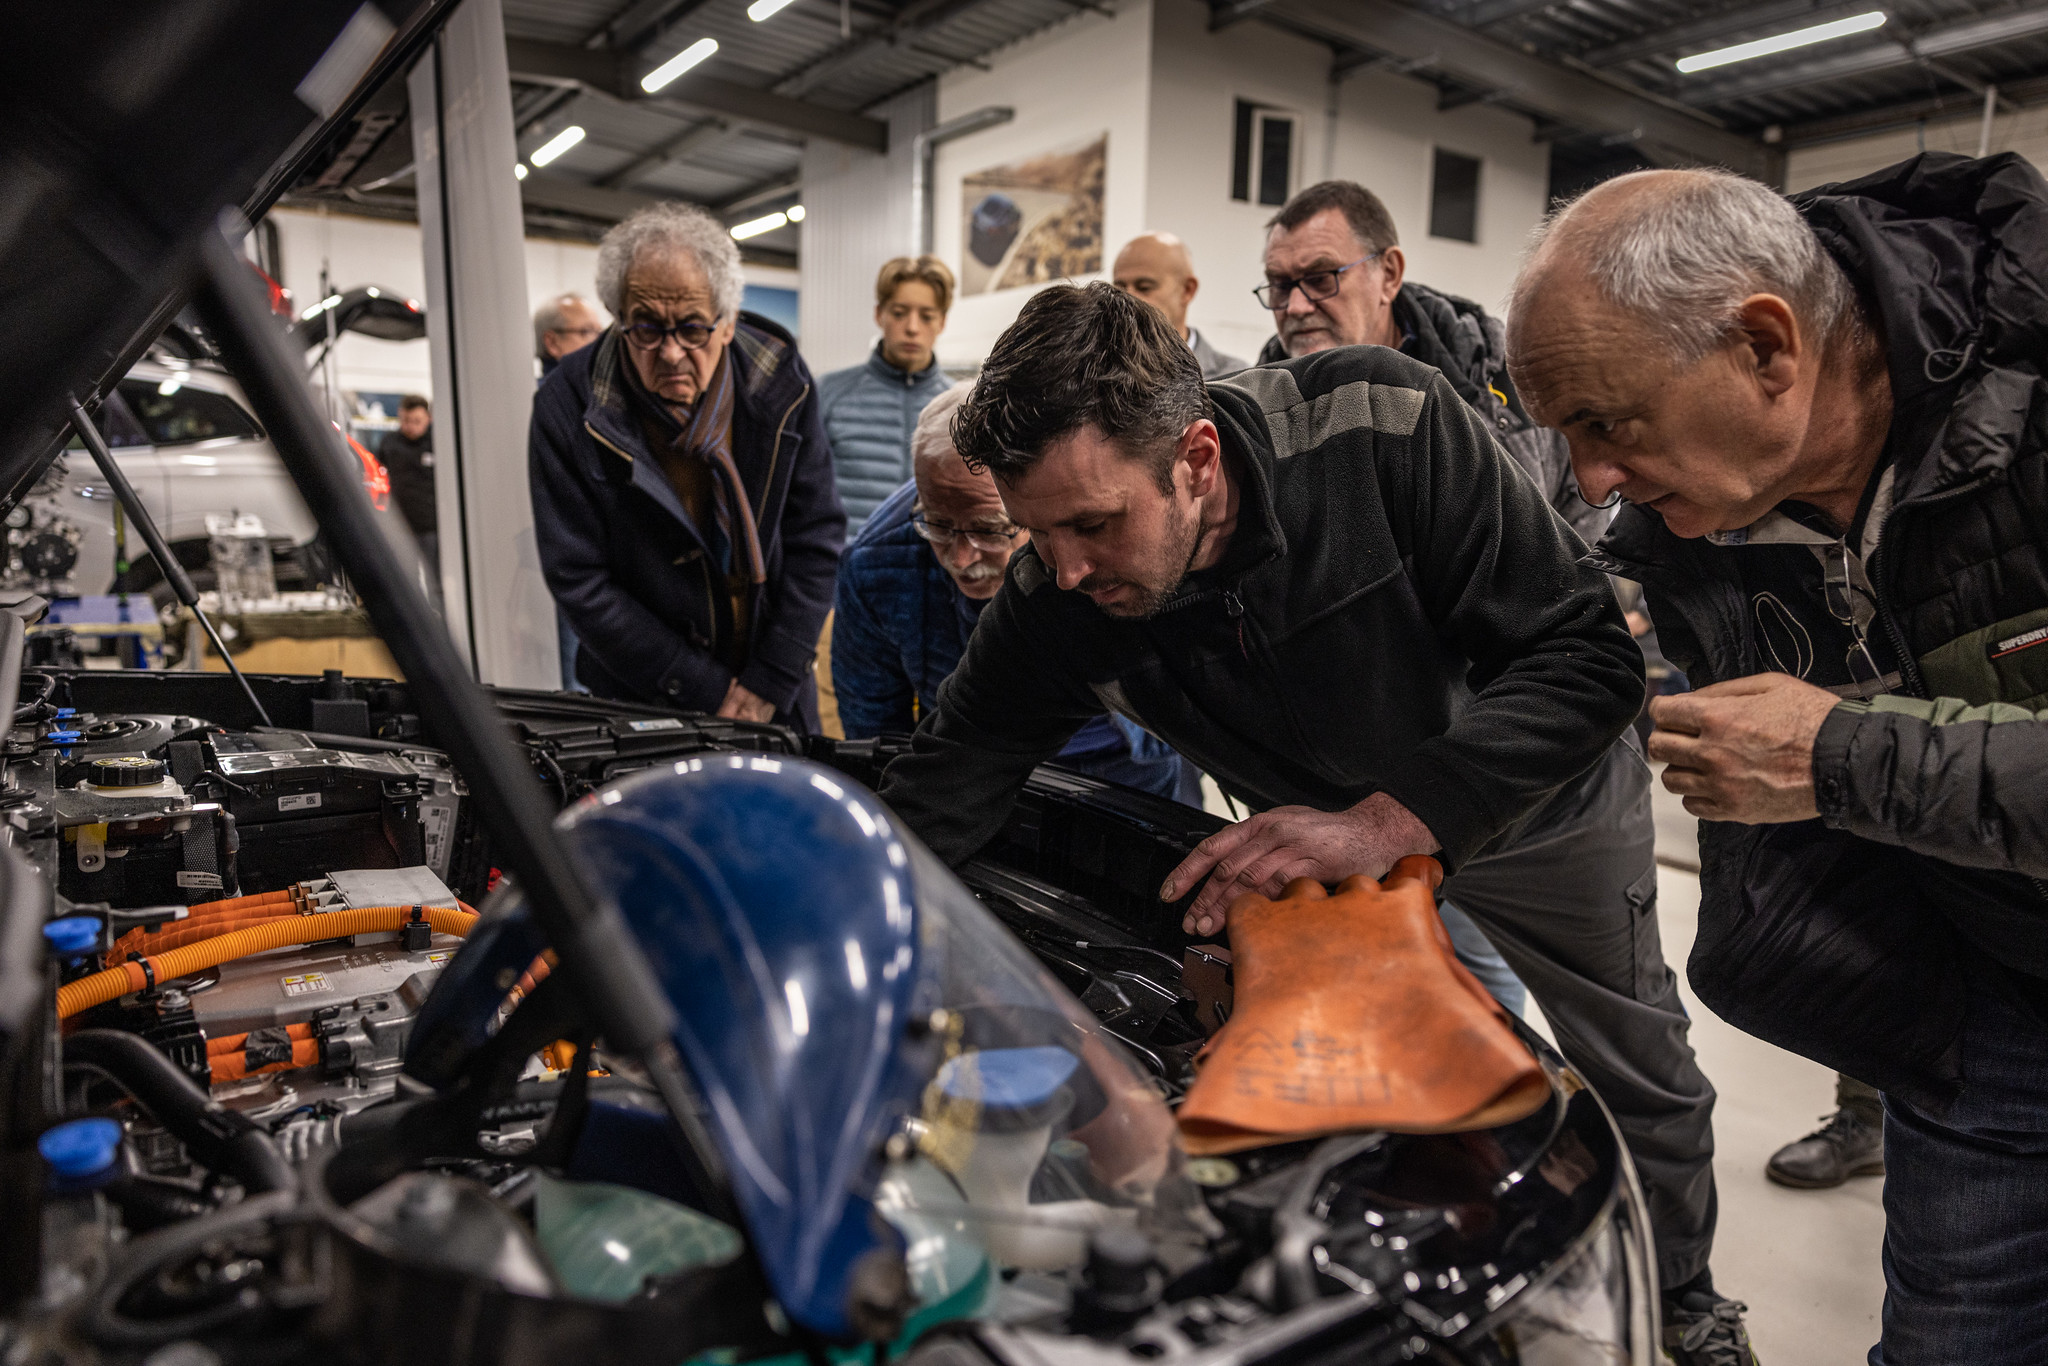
(1323, 583)
(1829, 417)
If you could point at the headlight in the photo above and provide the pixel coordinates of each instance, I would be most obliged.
(1594, 1305)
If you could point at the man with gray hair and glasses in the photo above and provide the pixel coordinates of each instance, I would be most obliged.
(682, 485)
(1825, 417)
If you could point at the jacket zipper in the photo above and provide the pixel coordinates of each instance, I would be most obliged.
(1233, 607)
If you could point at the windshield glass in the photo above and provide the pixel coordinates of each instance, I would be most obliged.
(1034, 1128)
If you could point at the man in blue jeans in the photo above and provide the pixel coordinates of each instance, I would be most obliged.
(911, 587)
(1825, 416)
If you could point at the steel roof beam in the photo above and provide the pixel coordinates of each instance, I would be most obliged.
(618, 75)
(1598, 104)
(2016, 95)
(1944, 41)
(1500, 11)
(917, 17)
(675, 149)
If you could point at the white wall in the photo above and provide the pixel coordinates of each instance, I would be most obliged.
(1387, 128)
(857, 214)
(1387, 134)
(2025, 132)
(1069, 84)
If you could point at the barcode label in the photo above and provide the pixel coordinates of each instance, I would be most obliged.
(305, 801)
(209, 881)
(666, 723)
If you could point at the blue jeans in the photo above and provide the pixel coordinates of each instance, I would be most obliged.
(1966, 1204)
(1483, 960)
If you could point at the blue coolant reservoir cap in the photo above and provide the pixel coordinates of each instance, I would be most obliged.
(72, 935)
(81, 1152)
(1017, 1088)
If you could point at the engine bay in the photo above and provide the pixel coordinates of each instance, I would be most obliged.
(269, 1193)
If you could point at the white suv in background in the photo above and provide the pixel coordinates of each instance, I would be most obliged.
(184, 436)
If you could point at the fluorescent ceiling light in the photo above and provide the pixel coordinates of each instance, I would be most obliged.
(1784, 42)
(754, 227)
(761, 9)
(558, 144)
(678, 64)
(519, 172)
(796, 213)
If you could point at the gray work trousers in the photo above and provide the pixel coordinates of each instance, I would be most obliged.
(1570, 901)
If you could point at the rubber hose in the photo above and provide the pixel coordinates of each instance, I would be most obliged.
(221, 1139)
(101, 987)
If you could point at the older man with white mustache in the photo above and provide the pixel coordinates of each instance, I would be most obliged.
(911, 588)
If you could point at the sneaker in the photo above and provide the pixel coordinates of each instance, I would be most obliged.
(1703, 1329)
(1847, 1145)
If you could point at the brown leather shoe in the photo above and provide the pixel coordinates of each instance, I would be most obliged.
(1351, 1012)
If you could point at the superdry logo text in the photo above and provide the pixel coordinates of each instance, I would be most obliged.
(2014, 644)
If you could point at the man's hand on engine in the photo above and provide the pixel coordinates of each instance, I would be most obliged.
(1742, 750)
(1275, 847)
(741, 705)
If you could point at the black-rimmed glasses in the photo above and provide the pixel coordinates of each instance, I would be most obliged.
(1316, 285)
(984, 538)
(691, 336)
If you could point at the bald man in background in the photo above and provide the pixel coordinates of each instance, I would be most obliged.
(563, 324)
(1156, 267)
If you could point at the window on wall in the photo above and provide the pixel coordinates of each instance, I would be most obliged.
(1454, 197)
(1262, 155)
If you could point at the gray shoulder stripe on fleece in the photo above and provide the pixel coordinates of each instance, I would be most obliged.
(1300, 424)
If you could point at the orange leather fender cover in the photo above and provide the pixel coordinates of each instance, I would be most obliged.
(1351, 1012)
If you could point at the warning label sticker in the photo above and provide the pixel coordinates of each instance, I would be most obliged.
(207, 881)
(306, 983)
(305, 801)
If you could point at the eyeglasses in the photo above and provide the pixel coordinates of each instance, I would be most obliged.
(691, 336)
(1844, 599)
(987, 539)
(1317, 284)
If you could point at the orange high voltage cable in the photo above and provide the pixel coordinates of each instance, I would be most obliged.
(101, 987)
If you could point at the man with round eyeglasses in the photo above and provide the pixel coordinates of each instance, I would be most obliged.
(682, 485)
(911, 589)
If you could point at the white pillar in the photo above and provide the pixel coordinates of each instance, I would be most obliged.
(481, 336)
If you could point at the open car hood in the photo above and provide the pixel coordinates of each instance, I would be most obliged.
(128, 126)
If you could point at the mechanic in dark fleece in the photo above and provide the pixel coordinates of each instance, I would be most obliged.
(1827, 416)
(1325, 584)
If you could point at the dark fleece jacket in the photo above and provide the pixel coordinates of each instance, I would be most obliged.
(1399, 610)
